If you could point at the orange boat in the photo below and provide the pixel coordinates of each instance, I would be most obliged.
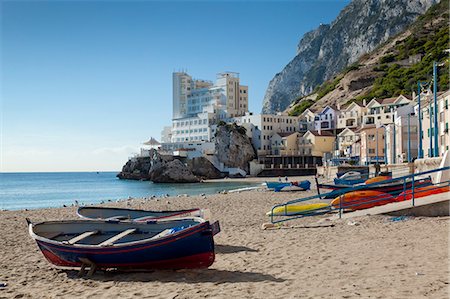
(358, 200)
(377, 179)
(421, 192)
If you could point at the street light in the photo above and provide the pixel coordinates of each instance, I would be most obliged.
(436, 148)
(436, 131)
(420, 85)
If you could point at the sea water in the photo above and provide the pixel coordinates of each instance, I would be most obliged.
(43, 190)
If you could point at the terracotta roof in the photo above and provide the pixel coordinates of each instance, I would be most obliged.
(323, 133)
(386, 101)
(285, 134)
(409, 97)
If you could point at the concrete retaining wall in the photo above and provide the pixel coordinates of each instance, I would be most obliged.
(431, 210)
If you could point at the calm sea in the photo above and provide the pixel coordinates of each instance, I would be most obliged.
(42, 190)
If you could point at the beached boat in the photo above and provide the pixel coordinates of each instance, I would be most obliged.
(364, 199)
(377, 179)
(351, 178)
(393, 187)
(290, 210)
(422, 192)
(105, 213)
(160, 244)
(289, 186)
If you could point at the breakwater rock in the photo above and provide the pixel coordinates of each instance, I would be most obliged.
(157, 168)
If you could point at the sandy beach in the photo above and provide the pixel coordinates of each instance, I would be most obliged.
(377, 258)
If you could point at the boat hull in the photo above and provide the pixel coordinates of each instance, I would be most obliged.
(135, 215)
(422, 192)
(289, 186)
(297, 209)
(359, 200)
(190, 248)
(393, 189)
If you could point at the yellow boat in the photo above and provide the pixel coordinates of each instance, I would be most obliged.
(296, 209)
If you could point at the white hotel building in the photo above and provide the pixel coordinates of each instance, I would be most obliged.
(199, 104)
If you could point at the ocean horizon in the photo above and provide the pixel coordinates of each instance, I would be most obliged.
(34, 190)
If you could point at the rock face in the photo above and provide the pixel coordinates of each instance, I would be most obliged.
(172, 172)
(323, 52)
(201, 167)
(158, 169)
(233, 147)
(136, 169)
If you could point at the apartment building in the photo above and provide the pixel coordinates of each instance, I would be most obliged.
(428, 127)
(285, 144)
(351, 116)
(317, 143)
(306, 121)
(199, 104)
(261, 128)
(372, 145)
(381, 111)
(325, 119)
(346, 143)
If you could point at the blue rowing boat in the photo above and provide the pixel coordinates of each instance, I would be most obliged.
(289, 186)
(160, 244)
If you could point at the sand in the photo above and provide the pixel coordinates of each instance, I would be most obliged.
(377, 258)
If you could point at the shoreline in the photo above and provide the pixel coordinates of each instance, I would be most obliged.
(12, 199)
(377, 257)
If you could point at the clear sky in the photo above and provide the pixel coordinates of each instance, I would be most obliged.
(84, 83)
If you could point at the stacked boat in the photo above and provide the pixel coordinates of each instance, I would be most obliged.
(289, 186)
(125, 238)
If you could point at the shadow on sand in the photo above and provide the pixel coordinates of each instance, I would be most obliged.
(186, 276)
(232, 249)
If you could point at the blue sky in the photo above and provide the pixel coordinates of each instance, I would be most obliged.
(83, 83)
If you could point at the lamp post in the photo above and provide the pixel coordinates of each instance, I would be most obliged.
(420, 136)
(385, 146)
(409, 138)
(436, 147)
(394, 145)
(430, 114)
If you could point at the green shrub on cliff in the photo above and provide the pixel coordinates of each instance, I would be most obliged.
(300, 107)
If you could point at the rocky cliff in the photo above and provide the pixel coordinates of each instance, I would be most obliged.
(232, 147)
(202, 168)
(322, 53)
(391, 69)
(157, 168)
(136, 169)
